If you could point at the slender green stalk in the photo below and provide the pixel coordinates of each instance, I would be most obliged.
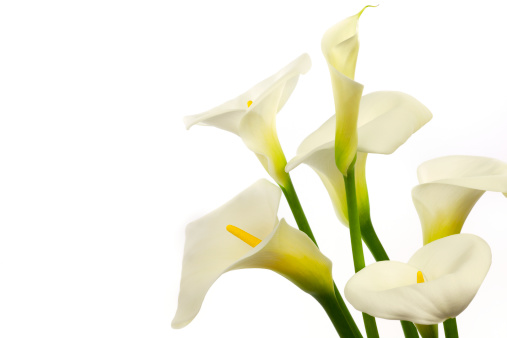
(409, 329)
(354, 227)
(372, 241)
(356, 241)
(303, 225)
(297, 209)
(368, 233)
(346, 313)
(451, 328)
(334, 312)
(370, 325)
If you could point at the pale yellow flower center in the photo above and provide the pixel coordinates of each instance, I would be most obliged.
(243, 235)
(420, 278)
(249, 103)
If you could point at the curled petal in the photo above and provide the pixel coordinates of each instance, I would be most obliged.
(340, 46)
(453, 269)
(210, 249)
(450, 187)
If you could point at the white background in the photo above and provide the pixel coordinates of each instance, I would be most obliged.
(98, 176)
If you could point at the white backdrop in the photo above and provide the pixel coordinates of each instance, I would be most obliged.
(98, 176)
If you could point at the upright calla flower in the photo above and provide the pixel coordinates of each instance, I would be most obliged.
(386, 120)
(245, 233)
(450, 187)
(437, 283)
(376, 123)
(340, 46)
(252, 116)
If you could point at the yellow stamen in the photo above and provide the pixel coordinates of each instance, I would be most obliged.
(420, 278)
(243, 235)
(249, 103)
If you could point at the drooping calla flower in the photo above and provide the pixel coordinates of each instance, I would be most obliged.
(252, 116)
(437, 283)
(245, 233)
(386, 120)
(449, 188)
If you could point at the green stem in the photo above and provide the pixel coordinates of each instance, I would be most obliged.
(356, 241)
(333, 310)
(372, 241)
(303, 225)
(354, 227)
(370, 325)
(297, 209)
(368, 233)
(346, 313)
(409, 329)
(451, 328)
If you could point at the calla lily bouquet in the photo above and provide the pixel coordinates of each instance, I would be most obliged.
(432, 287)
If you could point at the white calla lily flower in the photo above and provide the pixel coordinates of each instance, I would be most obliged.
(386, 120)
(245, 233)
(449, 188)
(252, 116)
(437, 283)
(340, 46)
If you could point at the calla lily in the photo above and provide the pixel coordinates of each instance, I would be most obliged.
(450, 187)
(252, 116)
(340, 46)
(214, 245)
(386, 120)
(376, 123)
(437, 283)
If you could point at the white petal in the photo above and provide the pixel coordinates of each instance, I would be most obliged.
(450, 188)
(387, 119)
(292, 254)
(228, 115)
(481, 173)
(453, 267)
(210, 249)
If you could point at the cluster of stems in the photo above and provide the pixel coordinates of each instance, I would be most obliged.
(361, 229)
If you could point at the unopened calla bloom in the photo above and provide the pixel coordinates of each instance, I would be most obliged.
(437, 283)
(386, 120)
(245, 233)
(252, 116)
(340, 46)
(449, 188)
